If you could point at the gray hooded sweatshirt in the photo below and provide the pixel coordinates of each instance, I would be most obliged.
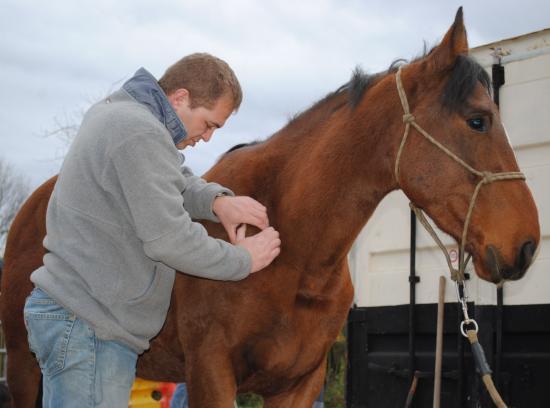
(119, 221)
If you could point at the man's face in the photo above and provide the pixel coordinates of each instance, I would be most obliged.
(200, 121)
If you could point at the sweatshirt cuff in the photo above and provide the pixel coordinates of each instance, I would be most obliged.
(202, 209)
(246, 262)
(214, 191)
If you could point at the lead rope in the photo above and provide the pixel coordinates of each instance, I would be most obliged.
(457, 275)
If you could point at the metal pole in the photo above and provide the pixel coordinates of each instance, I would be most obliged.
(413, 279)
(439, 343)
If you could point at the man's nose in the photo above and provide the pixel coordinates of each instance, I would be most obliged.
(206, 136)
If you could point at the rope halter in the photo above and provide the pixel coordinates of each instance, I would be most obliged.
(456, 274)
(485, 178)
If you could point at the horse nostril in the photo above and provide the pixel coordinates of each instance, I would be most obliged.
(525, 255)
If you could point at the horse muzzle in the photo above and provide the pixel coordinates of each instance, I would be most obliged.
(501, 270)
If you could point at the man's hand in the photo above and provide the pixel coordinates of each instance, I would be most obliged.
(234, 211)
(263, 247)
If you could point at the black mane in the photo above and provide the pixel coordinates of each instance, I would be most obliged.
(464, 75)
(238, 146)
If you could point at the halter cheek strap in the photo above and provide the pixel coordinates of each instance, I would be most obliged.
(485, 178)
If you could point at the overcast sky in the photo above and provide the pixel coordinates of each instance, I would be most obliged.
(58, 56)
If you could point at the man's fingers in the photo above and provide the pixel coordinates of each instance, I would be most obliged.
(257, 208)
(275, 252)
(257, 220)
(262, 219)
(263, 247)
(232, 232)
(260, 223)
(272, 255)
(241, 233)
(233, 210)
(257, 204)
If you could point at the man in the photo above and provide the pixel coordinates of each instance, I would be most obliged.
(119, 223)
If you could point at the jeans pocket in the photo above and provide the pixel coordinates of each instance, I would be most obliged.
(49, 327)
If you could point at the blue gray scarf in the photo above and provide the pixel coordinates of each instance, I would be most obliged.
(145, 89)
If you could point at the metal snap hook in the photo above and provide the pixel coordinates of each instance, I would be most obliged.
(468, 321)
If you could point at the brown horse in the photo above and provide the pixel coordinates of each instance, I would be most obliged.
(321, 177)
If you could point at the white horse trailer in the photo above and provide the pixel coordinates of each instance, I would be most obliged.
(392, 325)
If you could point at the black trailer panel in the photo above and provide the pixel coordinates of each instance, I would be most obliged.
(378, 367)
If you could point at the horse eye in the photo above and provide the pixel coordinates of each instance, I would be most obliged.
(478, 124)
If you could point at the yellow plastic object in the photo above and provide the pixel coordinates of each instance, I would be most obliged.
(145, 394)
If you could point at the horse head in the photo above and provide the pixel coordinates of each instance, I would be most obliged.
(449, 98)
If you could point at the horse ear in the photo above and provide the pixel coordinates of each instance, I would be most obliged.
(454, 43)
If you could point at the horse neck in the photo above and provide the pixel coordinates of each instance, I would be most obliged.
(336, 176)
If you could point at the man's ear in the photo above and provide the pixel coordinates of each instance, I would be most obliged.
(454, 43)
(179, 97)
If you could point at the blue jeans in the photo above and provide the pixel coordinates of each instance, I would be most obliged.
(78, 369)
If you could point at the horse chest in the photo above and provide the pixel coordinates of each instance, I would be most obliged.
(293, 348)
(296, 343)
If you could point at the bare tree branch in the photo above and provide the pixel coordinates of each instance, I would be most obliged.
(14, 189)
(65, 129)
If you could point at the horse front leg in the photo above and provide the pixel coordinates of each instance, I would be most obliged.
(302, 395)
(210, 380)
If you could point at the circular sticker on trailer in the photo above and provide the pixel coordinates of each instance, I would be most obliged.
(453, 254)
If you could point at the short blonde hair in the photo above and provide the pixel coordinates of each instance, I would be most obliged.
(207, 78)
